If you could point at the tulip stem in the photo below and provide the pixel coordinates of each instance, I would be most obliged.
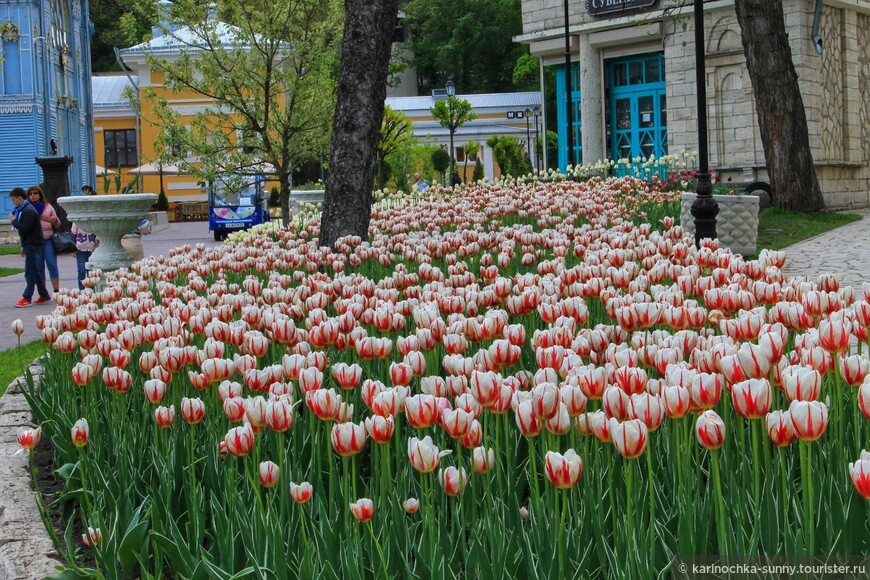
(561, 548)
(652, 505)
(380, 550)
(629, 504)
(720, 504)
(806, 453)
(754, 433)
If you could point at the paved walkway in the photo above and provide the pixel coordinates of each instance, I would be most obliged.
(157, 244)
(844, 252)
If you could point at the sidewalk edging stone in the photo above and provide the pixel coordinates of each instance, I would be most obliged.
(26, 549)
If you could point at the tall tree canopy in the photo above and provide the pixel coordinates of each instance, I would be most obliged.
(468, 42)
(270, 76)
(782, 119)
(118, 23)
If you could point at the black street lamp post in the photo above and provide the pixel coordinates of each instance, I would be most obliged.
(537, 140)
(704, 208)
(528, 135)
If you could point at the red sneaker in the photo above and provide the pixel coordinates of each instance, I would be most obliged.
(42, 299)
(23, 303)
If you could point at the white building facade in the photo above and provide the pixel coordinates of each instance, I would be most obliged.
(634, 84)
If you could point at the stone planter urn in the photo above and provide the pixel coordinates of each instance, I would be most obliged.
(109, 217)
(736, 224)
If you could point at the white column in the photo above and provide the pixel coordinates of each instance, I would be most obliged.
(592, 101)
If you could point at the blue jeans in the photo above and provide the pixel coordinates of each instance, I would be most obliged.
(32, 271)
(50, 258)
(82, 259)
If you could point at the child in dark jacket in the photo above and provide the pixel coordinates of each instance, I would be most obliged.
(25, 219)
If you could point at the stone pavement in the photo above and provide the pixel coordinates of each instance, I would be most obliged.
(156, 244)
(844, 252)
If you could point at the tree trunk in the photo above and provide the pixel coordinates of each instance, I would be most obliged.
(359, 111)
(284, 182)
(782, 119)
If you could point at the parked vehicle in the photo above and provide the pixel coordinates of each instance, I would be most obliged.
(236, 202)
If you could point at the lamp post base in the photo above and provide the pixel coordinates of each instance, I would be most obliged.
(704, 210)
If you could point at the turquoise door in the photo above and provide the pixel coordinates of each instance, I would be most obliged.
(637, 119)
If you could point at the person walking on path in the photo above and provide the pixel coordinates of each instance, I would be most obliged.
(50, 222)
(25, 219)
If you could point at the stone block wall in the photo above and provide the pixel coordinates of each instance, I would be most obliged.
(835, 85)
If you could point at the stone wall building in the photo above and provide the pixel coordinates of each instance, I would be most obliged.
(633, 73)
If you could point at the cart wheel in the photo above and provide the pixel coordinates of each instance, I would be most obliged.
(218, 236)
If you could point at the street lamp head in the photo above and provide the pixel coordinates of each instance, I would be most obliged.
(537, 110)
(528, 113)
(451, 88)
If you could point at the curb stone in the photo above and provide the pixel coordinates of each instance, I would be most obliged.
(26, 550)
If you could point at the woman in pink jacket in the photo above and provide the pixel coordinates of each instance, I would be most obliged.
(50, 222)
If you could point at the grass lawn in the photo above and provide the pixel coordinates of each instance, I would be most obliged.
(10, 271)
(10, 250)
(779, 228)
(14, 361)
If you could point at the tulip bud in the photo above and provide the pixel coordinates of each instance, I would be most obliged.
(779, 429)
(348, 438)
(423, 454)
(860, 474)
(17, 327)
(751, 398)
(563, 471)
(29, 438)
(192, 410)
(411, 505)
(80, 433)
(164, 416)
(240, 440)
(629, 437)
(452, 480)
(380, 429)
(301, 493)
(483, 459)
(710, 430)
(268, 474)
(809, 419)
(363, 510)
(93, 537)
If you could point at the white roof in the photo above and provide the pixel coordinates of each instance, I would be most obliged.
(484, 101)
(108, 90)
(185, 38)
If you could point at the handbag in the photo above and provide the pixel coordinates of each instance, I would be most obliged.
(64, 242)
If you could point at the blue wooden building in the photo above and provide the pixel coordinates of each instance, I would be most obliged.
(45, 91)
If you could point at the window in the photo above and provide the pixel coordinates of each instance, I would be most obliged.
(121, 148)
(460, 154)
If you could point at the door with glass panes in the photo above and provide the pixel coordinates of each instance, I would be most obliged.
(637, 119)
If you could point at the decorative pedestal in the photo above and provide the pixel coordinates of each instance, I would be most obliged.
(736, 224)
(109, 217)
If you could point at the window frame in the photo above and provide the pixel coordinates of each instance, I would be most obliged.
(122, 153)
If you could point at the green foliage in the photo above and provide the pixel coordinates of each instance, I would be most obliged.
(779, 228)
(271, 101)
(14, 360)
(413, 157)
(118, 23)
(469, 42)
(440, 160)
(472, 149)
(396, 132)
(526, 73)
(478, 171)
(274, 197)
(162, 201)
(509, 155)
(452, 113)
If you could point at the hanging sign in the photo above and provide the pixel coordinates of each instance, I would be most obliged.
(605, 7)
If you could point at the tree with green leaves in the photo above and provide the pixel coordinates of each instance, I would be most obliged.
(469, 42)
(472, 149)
(452, 113)
(509, 155)
(441, 163)
(396, 132)
(268, 68)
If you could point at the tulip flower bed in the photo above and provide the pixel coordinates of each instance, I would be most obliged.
(526, 381)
